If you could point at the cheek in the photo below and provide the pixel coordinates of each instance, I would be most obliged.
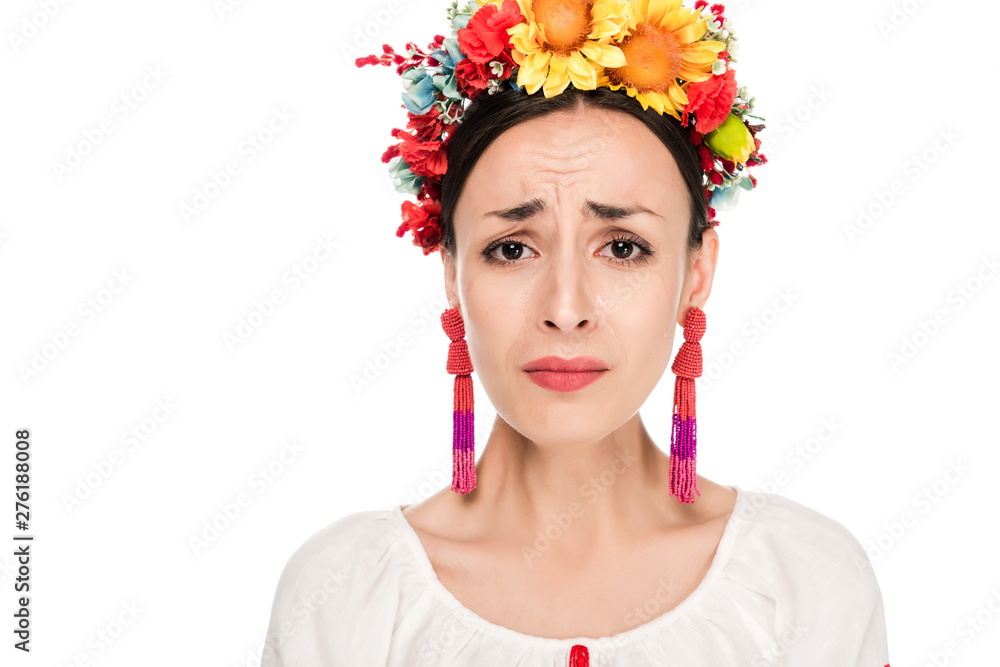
(642, 318)
(493, 322)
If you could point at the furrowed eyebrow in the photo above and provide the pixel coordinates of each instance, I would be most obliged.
(595, 209)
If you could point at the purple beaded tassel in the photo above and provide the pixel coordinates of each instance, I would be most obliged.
(463, 472)
(683, 441)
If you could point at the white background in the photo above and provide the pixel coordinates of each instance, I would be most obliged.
(854, 94)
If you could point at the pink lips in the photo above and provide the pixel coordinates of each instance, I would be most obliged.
(560, 374)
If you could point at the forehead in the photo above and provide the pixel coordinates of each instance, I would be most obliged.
(584, 152)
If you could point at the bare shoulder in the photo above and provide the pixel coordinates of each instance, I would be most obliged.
(716, 501)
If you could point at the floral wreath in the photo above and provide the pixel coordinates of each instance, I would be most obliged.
(674, 59)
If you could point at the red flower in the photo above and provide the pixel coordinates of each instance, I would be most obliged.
(473, 78)
(424, 220)
(428, 125)
(711, 101)
(425, 158)
(485, 37)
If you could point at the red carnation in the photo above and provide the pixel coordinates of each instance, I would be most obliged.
(473, 78)
(428, 125)
(423, 219)
(711, 101)
(485, 37)
(425, 158)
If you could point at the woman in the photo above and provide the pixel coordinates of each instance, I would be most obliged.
(574, 233)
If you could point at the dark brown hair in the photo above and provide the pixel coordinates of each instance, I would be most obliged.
(489, 116)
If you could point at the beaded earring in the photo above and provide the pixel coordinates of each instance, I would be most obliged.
(687, 365)
(463, 448)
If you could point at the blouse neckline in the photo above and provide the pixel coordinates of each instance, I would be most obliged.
(723, 555)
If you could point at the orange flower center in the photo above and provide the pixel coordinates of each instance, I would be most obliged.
(566, 23)
(653, 58)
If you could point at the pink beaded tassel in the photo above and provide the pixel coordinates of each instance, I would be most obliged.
(687, 365)
(463, 472)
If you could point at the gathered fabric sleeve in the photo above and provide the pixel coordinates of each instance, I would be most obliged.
(329, 609)
(834, 616)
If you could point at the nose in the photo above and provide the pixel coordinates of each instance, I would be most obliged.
(569, 304)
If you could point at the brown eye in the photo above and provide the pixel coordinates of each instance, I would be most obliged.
(506, 251)
(511, 251)
(627, 250)
(622, 249)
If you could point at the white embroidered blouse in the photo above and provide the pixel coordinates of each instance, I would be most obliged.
(788, 586)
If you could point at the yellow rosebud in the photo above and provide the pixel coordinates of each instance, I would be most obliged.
(731, 140)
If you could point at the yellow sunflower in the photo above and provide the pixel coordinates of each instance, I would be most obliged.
(664, 47)
(566, 41)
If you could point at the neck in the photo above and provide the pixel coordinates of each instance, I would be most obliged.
(582, 493)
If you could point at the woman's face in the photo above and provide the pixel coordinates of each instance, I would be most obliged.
(570, 242)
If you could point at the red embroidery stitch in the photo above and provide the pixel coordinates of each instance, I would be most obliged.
(579, 656)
